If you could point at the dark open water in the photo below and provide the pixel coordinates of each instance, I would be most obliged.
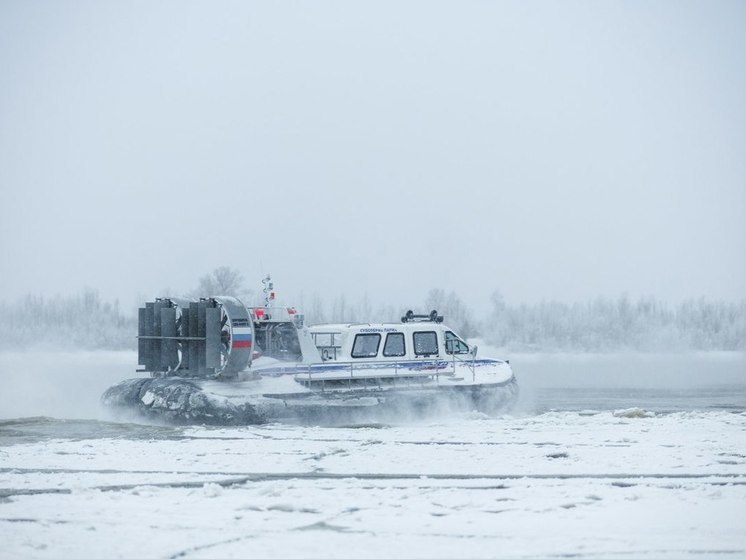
(659, 383)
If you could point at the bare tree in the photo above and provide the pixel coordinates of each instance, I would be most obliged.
(221, 281)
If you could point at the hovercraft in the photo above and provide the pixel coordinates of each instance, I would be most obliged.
(218, 362)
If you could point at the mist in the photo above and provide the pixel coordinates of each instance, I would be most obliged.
(69, 384)
(60, 384)
(554, 179)
(557, 152)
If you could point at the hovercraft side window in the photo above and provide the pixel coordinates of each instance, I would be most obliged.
(366, 345)
(394, 346)
(454, 344)
(425, 343)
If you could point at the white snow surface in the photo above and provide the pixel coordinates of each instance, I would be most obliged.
(556, 484)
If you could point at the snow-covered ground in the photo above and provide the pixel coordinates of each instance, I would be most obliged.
(559, 483)
(583, 483)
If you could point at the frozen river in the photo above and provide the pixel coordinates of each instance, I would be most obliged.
(604, 456)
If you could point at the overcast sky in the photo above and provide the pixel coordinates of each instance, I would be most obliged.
(551, 150)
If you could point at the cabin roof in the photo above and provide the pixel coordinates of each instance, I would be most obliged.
(383, 326)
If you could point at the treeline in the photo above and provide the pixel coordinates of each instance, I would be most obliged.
(82, 321)
(340, 310)
(621, 324)
(599, 325)
(86, 321)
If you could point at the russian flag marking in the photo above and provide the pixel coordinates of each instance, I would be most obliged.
(241, 338)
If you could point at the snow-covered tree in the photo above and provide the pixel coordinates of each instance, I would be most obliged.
(455, 312)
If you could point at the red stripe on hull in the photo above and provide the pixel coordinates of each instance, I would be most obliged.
(242, 343)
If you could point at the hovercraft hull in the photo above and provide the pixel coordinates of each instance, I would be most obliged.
(188, 401)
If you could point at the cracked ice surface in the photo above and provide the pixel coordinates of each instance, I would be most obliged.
(588, 483)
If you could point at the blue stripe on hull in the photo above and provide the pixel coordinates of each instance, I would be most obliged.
(409, 365)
